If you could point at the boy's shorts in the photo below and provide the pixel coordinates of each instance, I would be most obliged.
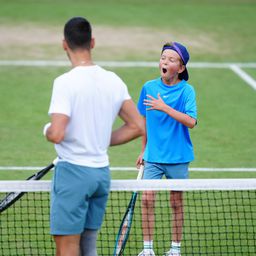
(170, 171)
(78, 198)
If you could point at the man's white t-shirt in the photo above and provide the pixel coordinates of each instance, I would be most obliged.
(91, 97)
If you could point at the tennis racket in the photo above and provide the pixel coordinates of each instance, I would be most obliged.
(12, 197)
(126, 223)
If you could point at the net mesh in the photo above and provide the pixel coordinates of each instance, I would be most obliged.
(219, 218)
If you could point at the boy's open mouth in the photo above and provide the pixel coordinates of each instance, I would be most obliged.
(164, 70)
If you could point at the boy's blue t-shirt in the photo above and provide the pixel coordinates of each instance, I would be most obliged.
(168, 141)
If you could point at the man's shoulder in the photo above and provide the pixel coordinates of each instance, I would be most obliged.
(110, 74)
(62, 77)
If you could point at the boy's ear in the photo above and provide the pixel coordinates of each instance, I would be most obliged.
(182, 68)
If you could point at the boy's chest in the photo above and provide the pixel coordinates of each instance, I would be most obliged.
(175, 99)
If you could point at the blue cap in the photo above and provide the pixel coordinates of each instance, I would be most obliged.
(183, 53)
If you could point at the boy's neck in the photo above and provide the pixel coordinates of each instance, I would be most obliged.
(171, 81)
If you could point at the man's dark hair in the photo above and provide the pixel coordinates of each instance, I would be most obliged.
(78, 33)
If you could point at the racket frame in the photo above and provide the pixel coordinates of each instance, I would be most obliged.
(125, 226)
(12, 197)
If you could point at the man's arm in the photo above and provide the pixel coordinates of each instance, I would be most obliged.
(133, 125)
(55, 133)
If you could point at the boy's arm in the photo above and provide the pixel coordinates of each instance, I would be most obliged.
(180, 117)
(133, 125)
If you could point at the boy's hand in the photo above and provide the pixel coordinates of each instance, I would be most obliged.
(153, 103)
(140, 160)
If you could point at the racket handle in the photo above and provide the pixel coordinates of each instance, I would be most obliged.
(140, 174)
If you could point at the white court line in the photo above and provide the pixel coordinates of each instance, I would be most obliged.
(61, 63)
(235, 67)
(119, 168)
(248, 79)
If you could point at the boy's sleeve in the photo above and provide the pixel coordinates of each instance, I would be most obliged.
(141, 107)
(190, 108)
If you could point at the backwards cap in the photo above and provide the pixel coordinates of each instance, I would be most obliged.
(183, 53)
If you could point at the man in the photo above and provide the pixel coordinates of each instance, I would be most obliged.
(85, 102)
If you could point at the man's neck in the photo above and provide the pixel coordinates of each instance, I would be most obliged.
(80, 58)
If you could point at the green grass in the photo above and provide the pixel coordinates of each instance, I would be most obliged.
(224, 136)
(229, 25)
(219, 30)
(131, 12)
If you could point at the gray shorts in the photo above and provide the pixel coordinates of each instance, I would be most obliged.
(78, 198)
(170, 171)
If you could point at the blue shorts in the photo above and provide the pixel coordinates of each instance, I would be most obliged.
(78, 198)
(170, 171)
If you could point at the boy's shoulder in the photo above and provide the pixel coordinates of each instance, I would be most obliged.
(187, 86)
(152, 82)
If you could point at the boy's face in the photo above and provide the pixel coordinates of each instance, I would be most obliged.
(170, 65)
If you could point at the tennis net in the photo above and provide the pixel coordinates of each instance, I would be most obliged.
(219, 217)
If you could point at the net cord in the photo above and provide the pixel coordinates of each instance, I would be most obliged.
(142, 185)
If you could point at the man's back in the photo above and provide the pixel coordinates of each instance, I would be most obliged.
(91, 97)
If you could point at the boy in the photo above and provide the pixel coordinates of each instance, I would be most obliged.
(168, 106)
(85, 102)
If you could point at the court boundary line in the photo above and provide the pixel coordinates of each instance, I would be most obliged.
(245, 76)
(63, 63)
(235, 67)
(129, 168)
